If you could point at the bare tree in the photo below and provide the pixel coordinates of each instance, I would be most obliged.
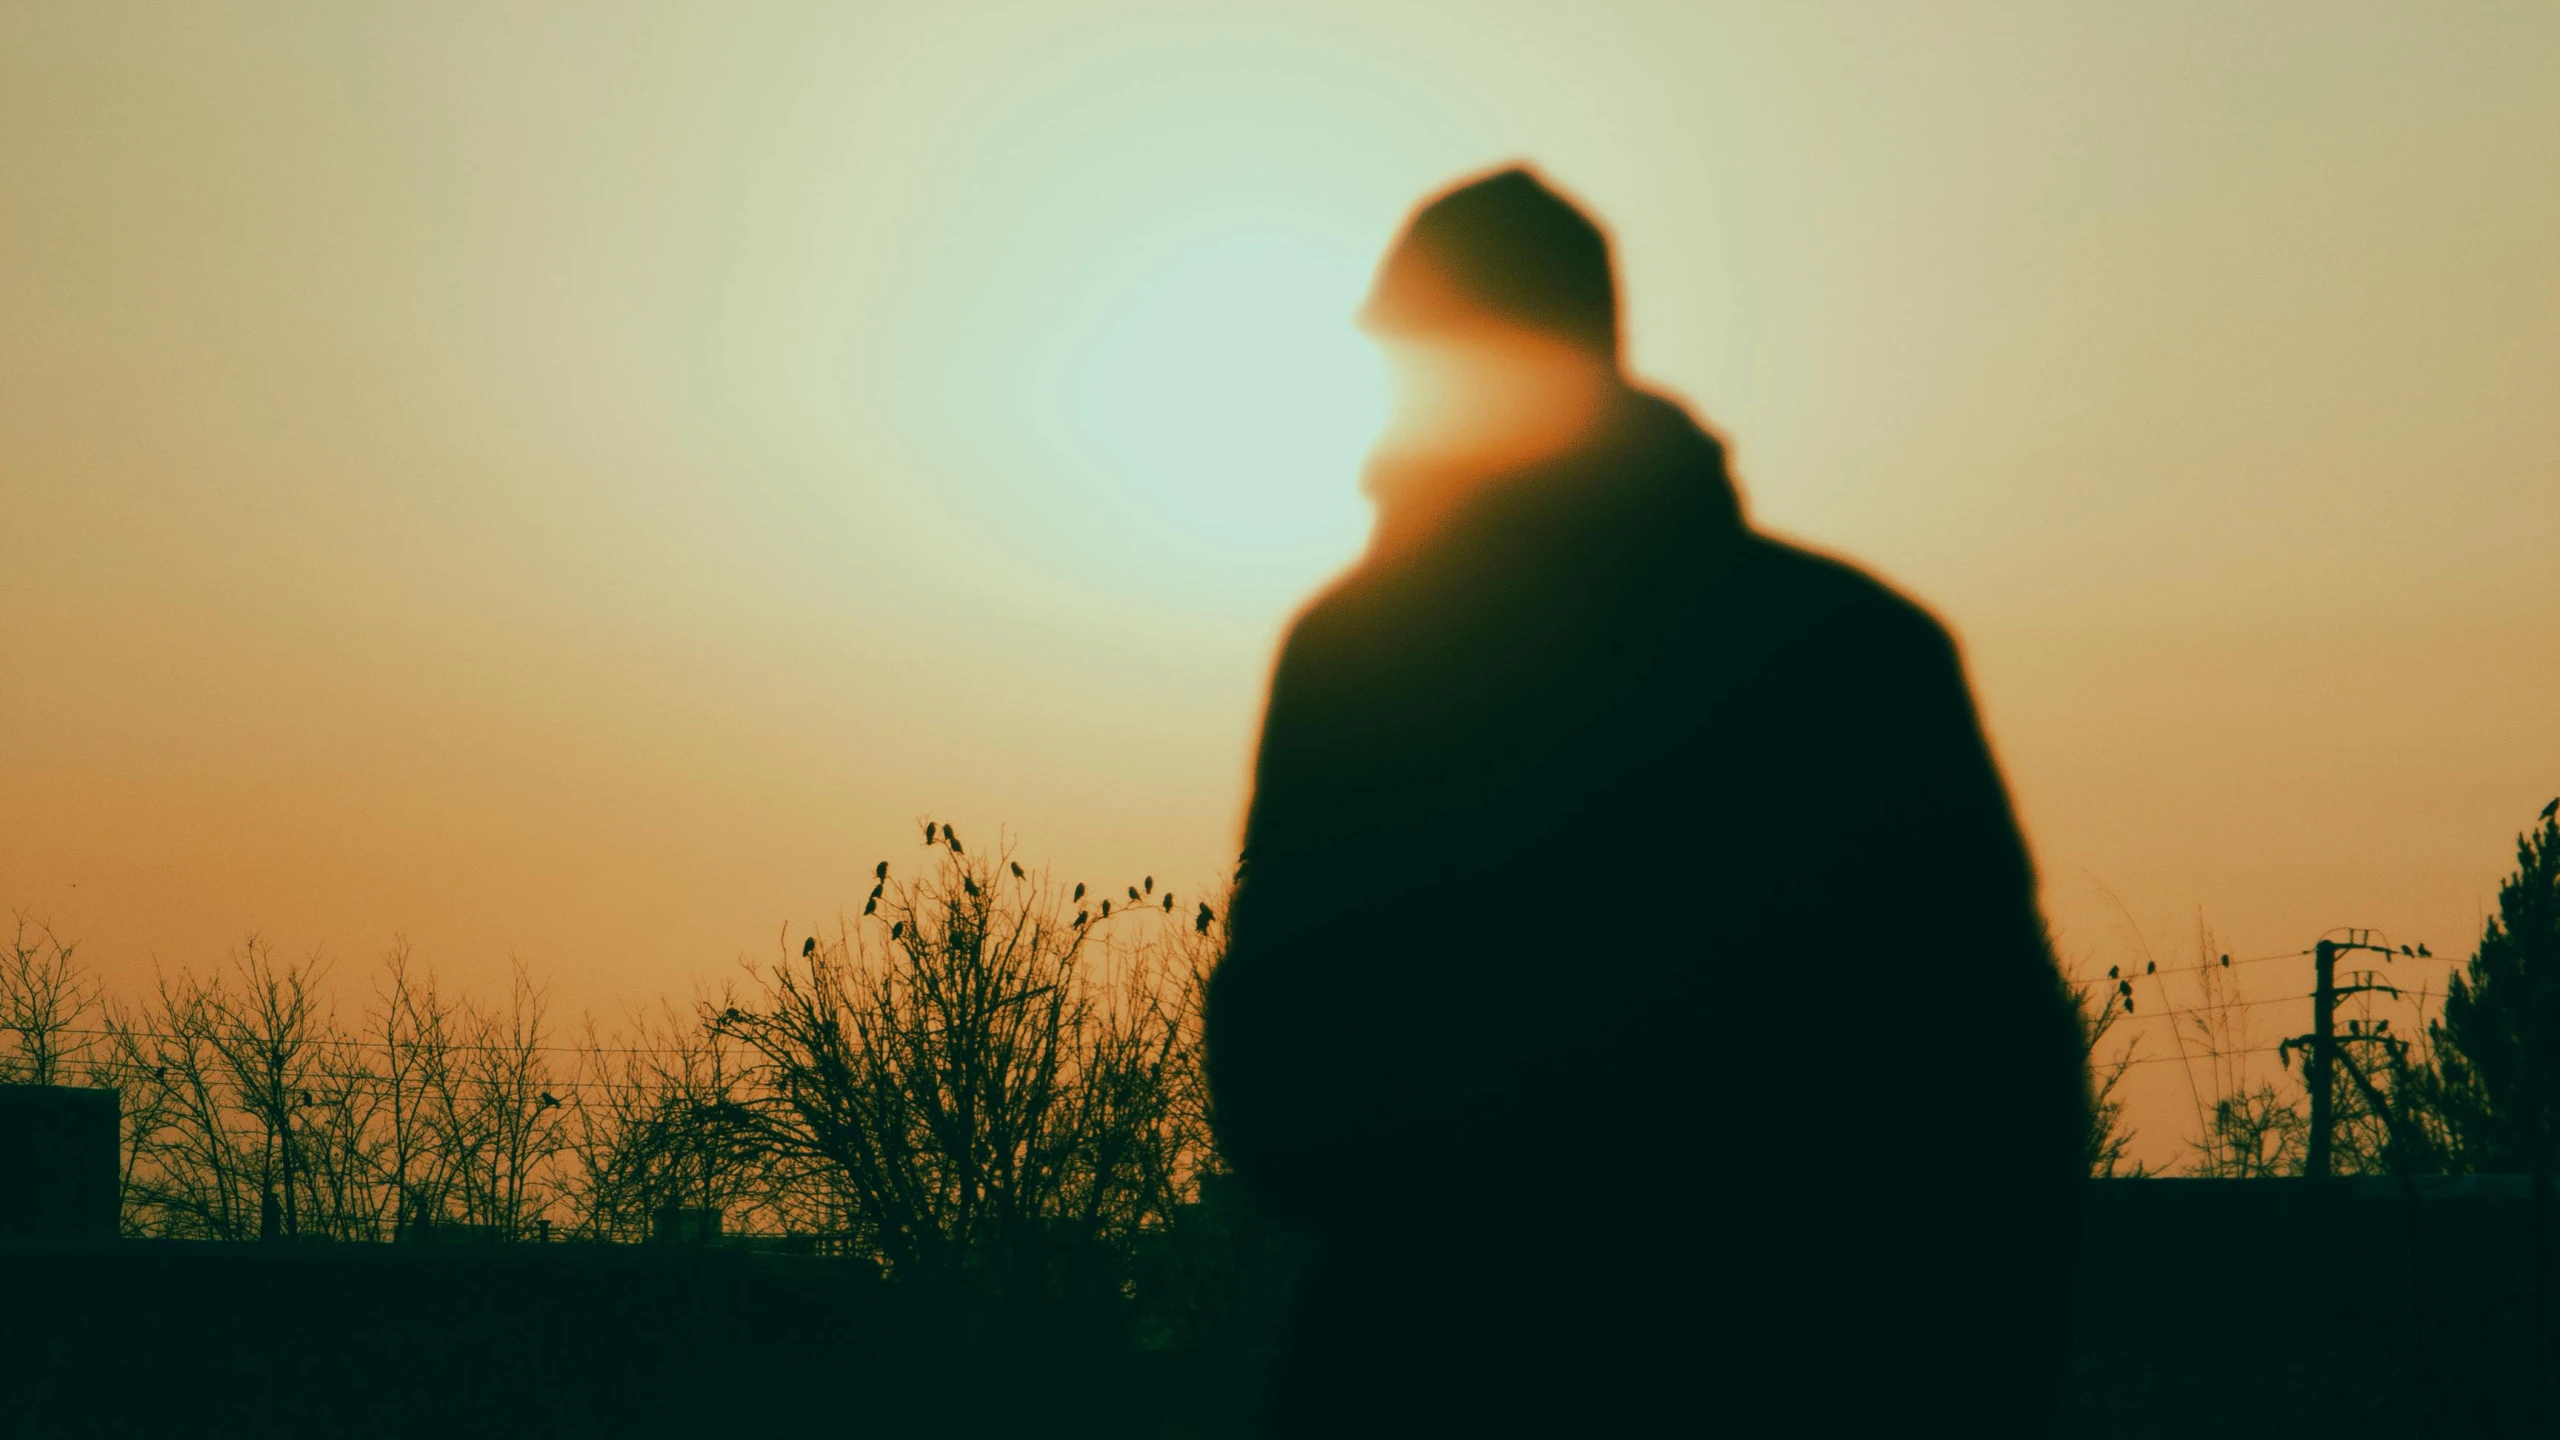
(124, 1062)
(340, 1142)
(196, 1163)
(992, 1088)
(506, 1128)
(408, 1031)
(46, 996)
(2110, 1138)
(660, 1121)
(268, 1032)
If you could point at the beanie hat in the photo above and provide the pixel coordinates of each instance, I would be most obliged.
(1504, 248)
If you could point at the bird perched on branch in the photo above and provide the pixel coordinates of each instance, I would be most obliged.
(880, 871)
(1017, 870)
(1200, 922)
(1079, 891)
(810, 945)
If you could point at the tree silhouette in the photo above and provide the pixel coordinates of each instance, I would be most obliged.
(988, 1090)
(2498, 1044)
(46, 1000)
(2110, 1141)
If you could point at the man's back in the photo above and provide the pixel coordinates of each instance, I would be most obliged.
(1635, 971)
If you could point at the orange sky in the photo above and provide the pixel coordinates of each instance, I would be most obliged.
(582, 485)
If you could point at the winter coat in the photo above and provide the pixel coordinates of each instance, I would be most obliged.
(1635, 981)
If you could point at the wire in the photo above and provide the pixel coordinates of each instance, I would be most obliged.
(361, 1042)
(2217, 965)
(2225, 1005)
(2194, 1055)
(331, 1085)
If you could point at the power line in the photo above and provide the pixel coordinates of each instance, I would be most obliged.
(327, 1083)
(2194, 1055)
(359, 1042)
(2217, 1008)
(2218, 965)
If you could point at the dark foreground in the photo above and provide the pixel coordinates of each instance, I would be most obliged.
(2271, 1308)
(2215, 1308)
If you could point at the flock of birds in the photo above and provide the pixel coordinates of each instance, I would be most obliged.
(938, 833)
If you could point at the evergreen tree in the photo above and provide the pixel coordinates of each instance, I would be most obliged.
(2498, 1045)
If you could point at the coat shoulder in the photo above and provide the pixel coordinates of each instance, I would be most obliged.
(1846, 603)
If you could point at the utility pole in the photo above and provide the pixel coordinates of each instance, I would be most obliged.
(2322, 1042)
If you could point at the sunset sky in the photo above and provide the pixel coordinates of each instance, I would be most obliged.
(583, 481)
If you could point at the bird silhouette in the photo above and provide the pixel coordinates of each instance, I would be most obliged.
(2425, 954)
(1079, 891)
(2111, 972)
(2405, 950)
(2124, 987)
(2152, 968)
(2128, 1004)
(546, 1101)
(876, 889)
(2226, 962)
(810, 945)
(1081, 917)
(1200, 922)
(897, 929)
(1151, 884)
(2551, 809)
(870, 905)
(1133, 894)
(1168, 902)
(969, 885)
(880, 871)
(928, 832)
(1106, 909)
(1017, 870)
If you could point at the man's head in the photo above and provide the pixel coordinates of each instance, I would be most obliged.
(1499, 317)
(1504, 252)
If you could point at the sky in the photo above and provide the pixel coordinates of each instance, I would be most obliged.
(584, 482)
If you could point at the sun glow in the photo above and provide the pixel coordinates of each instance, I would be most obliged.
(1222, 401)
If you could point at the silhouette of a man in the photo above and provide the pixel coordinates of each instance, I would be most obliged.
(1635, 977)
